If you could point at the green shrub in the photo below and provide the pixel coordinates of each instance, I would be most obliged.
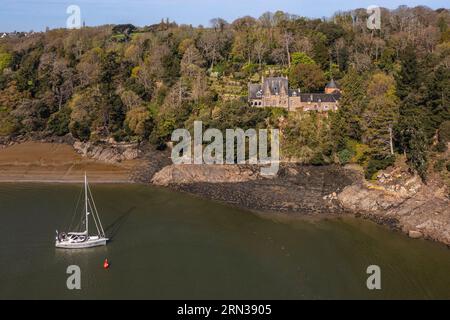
(276, 113)
(80, 131)
(220, 68)
(318, 159)
(58, 122)
(345, 156)
(8, 125)
(376, 164)
(250, 68)
(301, 58)
(5, 60)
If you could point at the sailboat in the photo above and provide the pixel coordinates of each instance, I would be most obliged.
(81, 240)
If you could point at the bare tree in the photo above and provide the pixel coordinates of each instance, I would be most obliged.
(288, 38)
(192, 62)
(61, 82)
(211, 44)
(218, 24)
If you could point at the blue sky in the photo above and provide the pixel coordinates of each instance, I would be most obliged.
(25, 15)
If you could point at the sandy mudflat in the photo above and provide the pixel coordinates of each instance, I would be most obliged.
(53, 162)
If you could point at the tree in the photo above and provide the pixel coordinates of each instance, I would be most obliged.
(381, 114)
(411, 134)
(307, 77)
(212, 44)
(261, 47)
(26, 76)
(130, 99)
(301, 58)
(61, 82)
(415, 145)
(321, 54)
(288, 38)
(85, 116)
(88, 69)
(192, 62)
(244, 40)
(408, 78)
(347, 124)
(58, 122)
(112, 109)
(10, 99)
(218, 24)
(5, 60)
(437, 99)
(387, 60)
(139, 122)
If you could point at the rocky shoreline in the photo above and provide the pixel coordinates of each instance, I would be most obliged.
(397, 199)
(297, 189)
(401, 201)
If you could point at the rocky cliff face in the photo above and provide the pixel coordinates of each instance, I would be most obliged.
(403, 202)
(109, 153)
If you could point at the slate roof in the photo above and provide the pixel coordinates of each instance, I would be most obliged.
(331, 85)
(318, 97)
(253, 90)
(276, 85)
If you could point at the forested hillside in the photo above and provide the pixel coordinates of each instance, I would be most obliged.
(140, 83)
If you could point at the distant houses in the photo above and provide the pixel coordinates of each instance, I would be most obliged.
(275, 92)
(15, 34)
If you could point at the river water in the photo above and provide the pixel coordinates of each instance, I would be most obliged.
(168, 245)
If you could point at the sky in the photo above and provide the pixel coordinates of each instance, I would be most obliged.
(26, 15)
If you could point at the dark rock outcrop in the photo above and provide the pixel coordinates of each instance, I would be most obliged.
(296, 189)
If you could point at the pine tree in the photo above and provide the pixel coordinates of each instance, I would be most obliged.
(411, 128)
(411, 135)
(347, 124)
(437, 99)
(407, 80)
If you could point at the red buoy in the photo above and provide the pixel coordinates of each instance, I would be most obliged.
(106, 264)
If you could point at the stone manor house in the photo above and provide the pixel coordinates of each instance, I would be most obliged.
(275, 92)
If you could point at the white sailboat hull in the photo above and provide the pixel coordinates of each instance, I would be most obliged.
(89, 243)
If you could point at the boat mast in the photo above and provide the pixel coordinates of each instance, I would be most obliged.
(86, 202)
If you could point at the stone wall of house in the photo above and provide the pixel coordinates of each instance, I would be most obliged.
(280, 101)
(293, 104)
